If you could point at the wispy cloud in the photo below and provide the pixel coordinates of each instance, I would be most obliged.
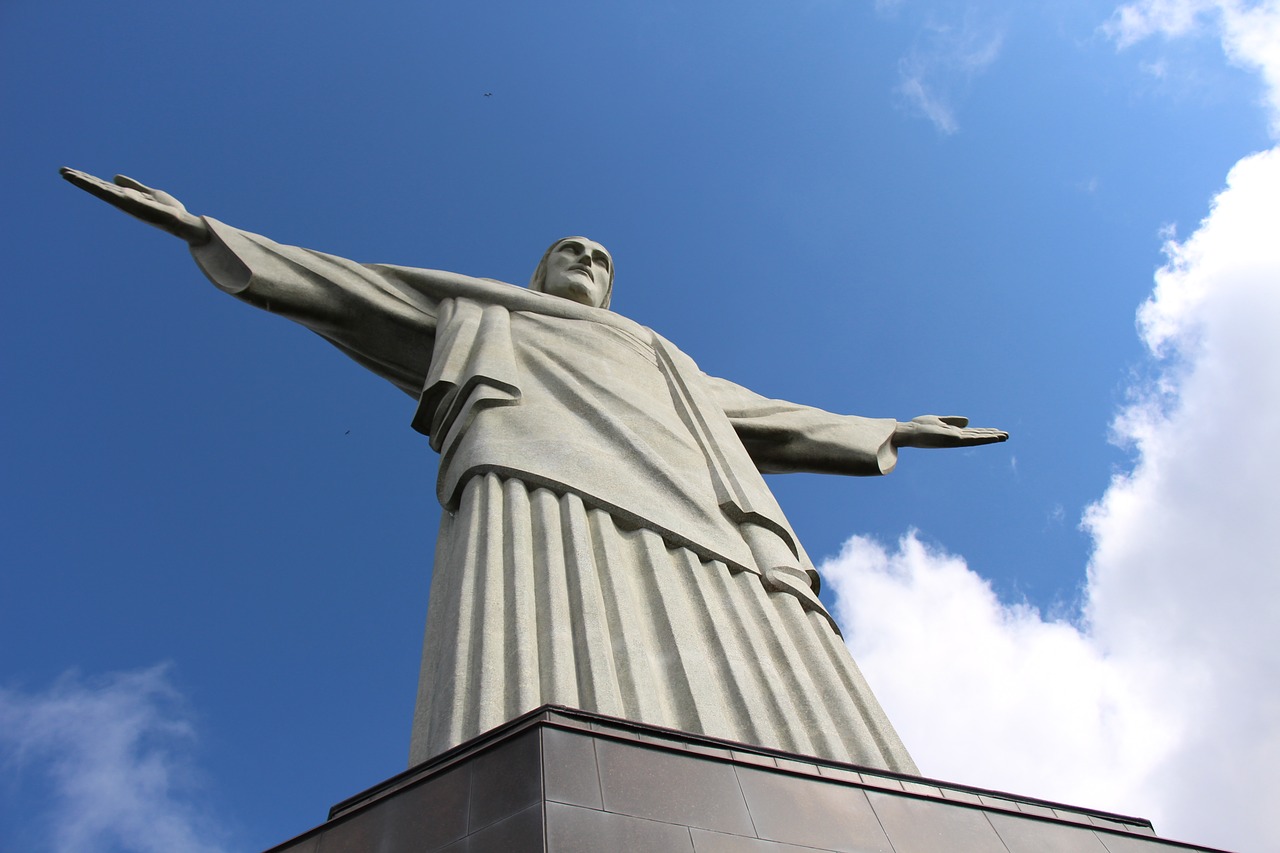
(1249, 32)
(113, 760)
(938, 72)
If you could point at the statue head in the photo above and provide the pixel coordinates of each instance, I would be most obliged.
(577, 269)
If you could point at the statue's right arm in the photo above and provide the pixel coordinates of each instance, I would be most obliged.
(155, 207)
(385, 326)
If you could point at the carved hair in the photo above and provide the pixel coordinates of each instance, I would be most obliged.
(539, 280)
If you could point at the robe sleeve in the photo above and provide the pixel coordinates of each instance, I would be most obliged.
(784, 437)
(366, 311)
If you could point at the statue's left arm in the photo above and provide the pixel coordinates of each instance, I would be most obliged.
(784, 437)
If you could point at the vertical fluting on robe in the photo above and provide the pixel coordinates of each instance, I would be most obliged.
(537, 598)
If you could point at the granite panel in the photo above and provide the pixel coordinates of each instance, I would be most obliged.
(569, 770)
(356, 834)
(1107, 823)
(1045, 811)
(881, 782)
(997, 802)
(568, 720)
(797, 766)
(811, 812)
(1139, 844)
(705, 841)
(417, 819)
(505, 780)
(310, 844)
(840, 773)
(921, 826)
(754, 758)
(430, 815)
(1024, 835)
(921, 788)
(571, 829)
(522, 832)
(609, 788)
(707, 749)
(679, 788)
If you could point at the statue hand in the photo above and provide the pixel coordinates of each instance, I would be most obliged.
(156, 207)
(945, 431)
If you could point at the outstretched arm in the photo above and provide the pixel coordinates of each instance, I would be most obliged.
(944, 431)
(155, 207)
(369, 315)
(783, 437)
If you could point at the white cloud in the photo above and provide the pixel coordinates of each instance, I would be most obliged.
(115, 757)
(1249, 31)
(1165, 701)
(1134, 22)
(997, 694)
(938, 72)
(1183, 573)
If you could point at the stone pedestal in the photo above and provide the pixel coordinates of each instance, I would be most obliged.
(563, 780)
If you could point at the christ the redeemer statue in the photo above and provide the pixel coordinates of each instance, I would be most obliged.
(607, 541)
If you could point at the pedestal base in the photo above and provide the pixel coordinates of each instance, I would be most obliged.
(562, 780)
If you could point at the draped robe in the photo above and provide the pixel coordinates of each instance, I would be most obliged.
(607, 541)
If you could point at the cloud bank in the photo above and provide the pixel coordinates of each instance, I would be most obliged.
(114, 762)
(1163, 698)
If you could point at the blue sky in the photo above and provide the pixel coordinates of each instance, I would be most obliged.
(217, 531)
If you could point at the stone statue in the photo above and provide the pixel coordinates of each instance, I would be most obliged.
(607, 541)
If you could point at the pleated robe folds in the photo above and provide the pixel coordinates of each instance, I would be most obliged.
(607, 541)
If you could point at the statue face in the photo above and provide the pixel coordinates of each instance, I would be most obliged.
(578, 269)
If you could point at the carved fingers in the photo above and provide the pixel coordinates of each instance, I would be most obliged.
(140, 201)
(944, 431)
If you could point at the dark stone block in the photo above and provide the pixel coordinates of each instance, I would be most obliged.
(923, 826)
(962, 796)
(885, 782)
(522, 832)
(1022, 835)
(569, 769)
(841, 774)
(679, 788)
(571, 829)
(307, 844)
(1140, 844)
(705, 841)
(1043, 811)
(997, 802)
(921, 788)
(505, 779)
(797, 766)
(754, 758)
(811, 812)
(430, 815)
(355, 834)
(567, 781)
